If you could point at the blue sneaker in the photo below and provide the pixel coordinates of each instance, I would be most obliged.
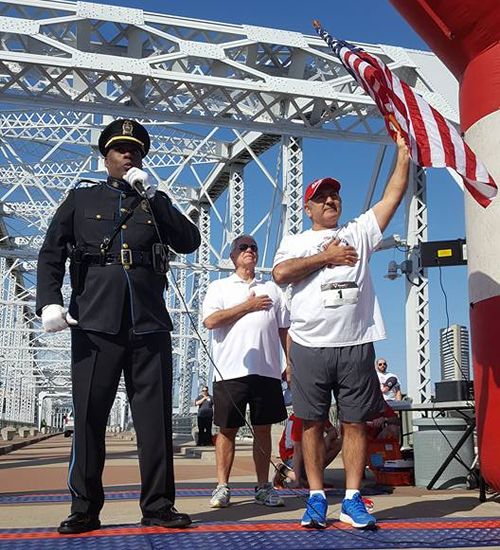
(354, 512)
(315, 514)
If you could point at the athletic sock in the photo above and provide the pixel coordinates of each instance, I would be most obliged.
(317, 492)
(349, 493)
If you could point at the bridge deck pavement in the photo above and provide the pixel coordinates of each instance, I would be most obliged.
(42, 468)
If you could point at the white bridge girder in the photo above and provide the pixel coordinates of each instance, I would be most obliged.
(67, 68)
(417, 292)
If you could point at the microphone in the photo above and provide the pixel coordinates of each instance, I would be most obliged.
(139, 187)
(135, 184)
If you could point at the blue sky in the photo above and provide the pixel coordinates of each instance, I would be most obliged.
(372, 21)
(363, 20)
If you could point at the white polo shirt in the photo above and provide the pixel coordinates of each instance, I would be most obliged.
(251, 345)
(313, 324)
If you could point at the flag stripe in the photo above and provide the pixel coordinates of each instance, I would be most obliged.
(401, 114)
(470, 164)
(446, 139)
(432, 140)
(421, 134)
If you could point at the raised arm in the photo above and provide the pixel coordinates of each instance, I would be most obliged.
(395, 188)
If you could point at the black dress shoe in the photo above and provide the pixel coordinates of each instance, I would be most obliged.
(79, 522)
(166, 518)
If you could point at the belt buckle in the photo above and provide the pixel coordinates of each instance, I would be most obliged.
(126, 258)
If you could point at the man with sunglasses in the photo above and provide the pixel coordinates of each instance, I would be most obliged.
(248, 318)
(335, 318)
(389, 382)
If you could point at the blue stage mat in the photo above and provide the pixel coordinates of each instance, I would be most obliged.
(133, 494)
(422, 533)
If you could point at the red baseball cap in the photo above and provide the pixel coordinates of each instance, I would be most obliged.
(316, 184)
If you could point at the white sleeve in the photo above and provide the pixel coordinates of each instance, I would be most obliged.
(285, 250)
(214, 300)
(369, 230)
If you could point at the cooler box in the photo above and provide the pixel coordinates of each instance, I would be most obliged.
(394, 478)
(380, 450)
(386, 462)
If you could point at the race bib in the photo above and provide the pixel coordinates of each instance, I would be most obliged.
(339, 294)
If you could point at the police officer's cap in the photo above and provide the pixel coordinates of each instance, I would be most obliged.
(124, 131)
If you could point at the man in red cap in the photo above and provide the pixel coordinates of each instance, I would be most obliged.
(335, 318)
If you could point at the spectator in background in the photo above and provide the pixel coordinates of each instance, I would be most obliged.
(389, 382)
(205, 405)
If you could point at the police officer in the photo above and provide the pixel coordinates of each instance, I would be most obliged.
(111, 232)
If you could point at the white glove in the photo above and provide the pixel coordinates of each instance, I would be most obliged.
(56, 318)
(70, 320)
(139, 180)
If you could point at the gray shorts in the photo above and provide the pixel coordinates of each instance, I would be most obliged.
(348, 371)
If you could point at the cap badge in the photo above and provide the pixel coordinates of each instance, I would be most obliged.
(127, 128)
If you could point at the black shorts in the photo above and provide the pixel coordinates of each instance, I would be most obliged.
(347, 371)
(262, 393)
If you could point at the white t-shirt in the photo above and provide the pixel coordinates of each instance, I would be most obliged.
(313, 324)
(382, 378)
(251, 345)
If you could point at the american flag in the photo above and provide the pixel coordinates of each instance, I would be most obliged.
(431, 139)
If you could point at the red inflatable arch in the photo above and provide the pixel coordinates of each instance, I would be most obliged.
(465, 35)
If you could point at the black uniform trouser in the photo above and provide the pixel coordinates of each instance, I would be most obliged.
(204, 430)
(97, 362)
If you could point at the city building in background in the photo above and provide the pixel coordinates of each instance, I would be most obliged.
(454, 353)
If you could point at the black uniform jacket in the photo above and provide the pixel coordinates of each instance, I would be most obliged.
(84, 219)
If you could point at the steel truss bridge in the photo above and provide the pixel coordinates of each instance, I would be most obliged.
(216, 98)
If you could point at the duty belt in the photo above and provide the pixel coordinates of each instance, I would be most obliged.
(127, 258)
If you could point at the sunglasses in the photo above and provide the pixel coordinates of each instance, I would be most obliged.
(382, 364)
(243, 246)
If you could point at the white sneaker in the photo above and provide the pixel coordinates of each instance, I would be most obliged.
(221, 496)
(268, 496)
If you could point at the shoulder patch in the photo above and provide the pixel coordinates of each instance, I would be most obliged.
(88, 183)
(162, 194)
